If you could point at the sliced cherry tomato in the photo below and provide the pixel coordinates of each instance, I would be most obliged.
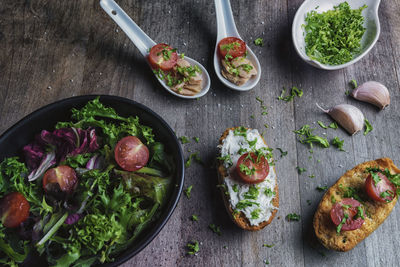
(232, 46)
(131, 154)
(14, 209)
(347, 206)
(162, 56)
(381, 191)
(61, 178)
(251, 169)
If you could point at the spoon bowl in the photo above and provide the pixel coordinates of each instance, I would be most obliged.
(227, 28)
(371, 24)
(144, 43)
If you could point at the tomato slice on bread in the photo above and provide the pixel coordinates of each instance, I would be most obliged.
(163, 56)
(379, 188)
(347, 215)
(62, 178)
(14, 209)
(252, 169)
(131, 154)
(233, 46)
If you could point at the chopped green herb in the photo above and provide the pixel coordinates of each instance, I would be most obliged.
(255, 214)
(252, 193)
(245, 203)
(338, 143)
(259, 100)
(339, 227)
(360, 213)
(188, 191)
(354, 83)
(252, 116)
(334, 37)
(246, 170)
(193, 247)
(375, 177)
(196, 139)
(225, 246)
(252, 142)
(194, 156)
(387, 193)
(300, 170)
(293, 217)
(306, 136)
(293, 93)
(184, 139)
(333, 199)
(283, 153)
(322, 125)
(194, 218)
(269, 193)
(322, 188)
(347, 92)
(264, 113)
(235, 188)
(309, 202)
(368, 127)
(215, 229)
(266, 126)
(266, 261)
(311, 176)
(333, 125)
(259, 42)
(227, 159)
(182, 55)
(268, 246)
(240, 131)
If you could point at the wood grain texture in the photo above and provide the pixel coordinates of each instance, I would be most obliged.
(50, 50)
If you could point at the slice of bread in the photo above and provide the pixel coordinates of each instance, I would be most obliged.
(376, 212)
(240, 219)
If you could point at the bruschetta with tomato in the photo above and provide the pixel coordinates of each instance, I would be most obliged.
(357, 204)
(247, 178)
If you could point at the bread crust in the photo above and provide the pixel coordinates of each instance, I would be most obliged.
(324, 228)
(240, 219)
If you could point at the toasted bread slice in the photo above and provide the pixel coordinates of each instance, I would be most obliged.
(376, 212)
(240, 219)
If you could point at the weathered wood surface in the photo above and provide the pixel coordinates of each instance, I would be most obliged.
(50, 50)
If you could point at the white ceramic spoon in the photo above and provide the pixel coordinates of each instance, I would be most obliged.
(369, 39)
(227, 28)
(144, 43)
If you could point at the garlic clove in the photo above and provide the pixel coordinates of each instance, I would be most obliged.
(374, 93)
(347, 116)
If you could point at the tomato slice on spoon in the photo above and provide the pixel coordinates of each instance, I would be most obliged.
(163, 56)
(233, 46)
(131, 154)
(379, 188)
(62, 178)
(347, 215)
(252, 169)
(14, 209)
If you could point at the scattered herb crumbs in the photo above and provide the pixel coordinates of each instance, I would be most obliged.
(333, 125)
(339, 227)
(309, 202)
(196, 139)
(311, 176)
(266, 261)
(184, 139)
(306, 137)
(322, 125)
(293, 93)
(215, 229)
(368, 127)
(333, 199)
(293, 217)
(300, 170)
(354, 83)
(347, 92)
(334, 37)
(283, 153)
(193, 247)
(188, 191)
(192, 156)
(259, 42)
(194, 218)
(338, 143)
(318, 160)
(235, 188)
(266, 126)
(268, 246)
(264, 113)
(269, 193)
(259, 100)
(322, 188)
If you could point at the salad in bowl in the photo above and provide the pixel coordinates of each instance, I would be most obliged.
(83, 192)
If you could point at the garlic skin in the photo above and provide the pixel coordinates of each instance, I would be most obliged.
(374, 93)
(347, 116)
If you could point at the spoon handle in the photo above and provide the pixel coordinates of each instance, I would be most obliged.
(225, 22)
(139, 38)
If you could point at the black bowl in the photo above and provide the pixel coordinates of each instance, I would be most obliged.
(23, 132)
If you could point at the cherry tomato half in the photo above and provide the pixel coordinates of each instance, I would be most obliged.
(232, 45)
(347, 206)
(382, 191)
(14, 209)
(161, 56)
(131, 154)
(251, 169)
(61, 178)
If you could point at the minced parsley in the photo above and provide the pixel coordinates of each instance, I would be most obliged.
(215, 228)
(293, 217)
(339, 227)
(334, 37)
(320, 123)
(269, 193)
(196, 139)
(306, 136)
(193, 247)
(194, 218)
(252, 193)
(300, 170)
(192, 156)
(184, 139)
(293, 93)
(368, 127)
(333, 125)
(259, 42)
(268, 246)
(188, 191)
(283, 153)
(338, 143)
(322, 188)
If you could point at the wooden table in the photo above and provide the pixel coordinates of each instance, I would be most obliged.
(51, 50)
